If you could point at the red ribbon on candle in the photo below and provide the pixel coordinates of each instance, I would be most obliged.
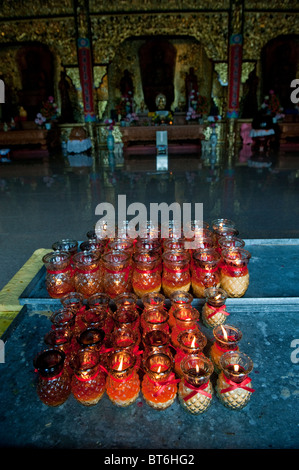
(234, 385)
(163, 385)
(234, 271)
(50, 378)
(198, 270)
(217, 310)
(200, 389)
(87, 379)
(176, 270)
(61, 271)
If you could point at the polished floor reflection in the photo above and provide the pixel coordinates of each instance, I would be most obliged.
(41, 202)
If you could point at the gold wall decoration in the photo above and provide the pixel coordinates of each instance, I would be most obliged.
(41, 8)
(210, 29)
(96, 6)
(261, 27)
(58, 33)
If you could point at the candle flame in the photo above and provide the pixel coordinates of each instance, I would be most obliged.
(159, 369)
(193, 343)
(218, 296)
(236, 367)
(225, 337)
(197, 368)
(120, 366)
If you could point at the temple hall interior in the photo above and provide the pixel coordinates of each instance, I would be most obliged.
(160, 101)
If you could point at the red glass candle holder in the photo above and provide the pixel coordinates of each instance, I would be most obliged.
(159, 386)
(98, 318)
(153, 301)
(156, 341)
(117, 273)
(122, 384)
(88, 276)
(127, 300)
(189, 342)
(155, 319)
(178, 299)
(54, 381)
(186, 318)
(227, 338)
(176, 272)
(59, 276)
(233, 384)
(63, 318)
(127, 318)
(92, 338)
(205, 271)
(146, 273)
(73, 300)
(230, 241)
(214, 310)
(149, 245)
(121, 244)
(195, 389)
(62, 338)
(67, 245)
(94, 245)
(234, 271)
(89, 380)
(129, 340)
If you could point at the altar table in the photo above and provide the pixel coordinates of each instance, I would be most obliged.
(134, 134)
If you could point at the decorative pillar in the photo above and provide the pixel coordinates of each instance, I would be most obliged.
(235, 53)
(85, 62)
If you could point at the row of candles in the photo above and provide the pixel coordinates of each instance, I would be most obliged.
(99, 345)
(151, 264)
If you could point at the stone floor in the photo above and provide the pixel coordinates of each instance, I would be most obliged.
(42, 202)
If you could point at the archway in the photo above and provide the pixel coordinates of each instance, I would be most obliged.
(280, 62)
(36, 67)
(157, 59)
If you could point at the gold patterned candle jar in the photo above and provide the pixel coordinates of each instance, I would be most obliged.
(122, 384)
(54, 380)
(186, 318)
(127, 318)
(89, 379)
(116, 273)
(146, 276)
(195, 389)
(227, 338)
(234, 271)
(88, 277)
(205, 271)
(59, 276)
(177, 299)
(159, 385)
(233, 384)
(189, 342)
(176, 272)
(214, 310)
